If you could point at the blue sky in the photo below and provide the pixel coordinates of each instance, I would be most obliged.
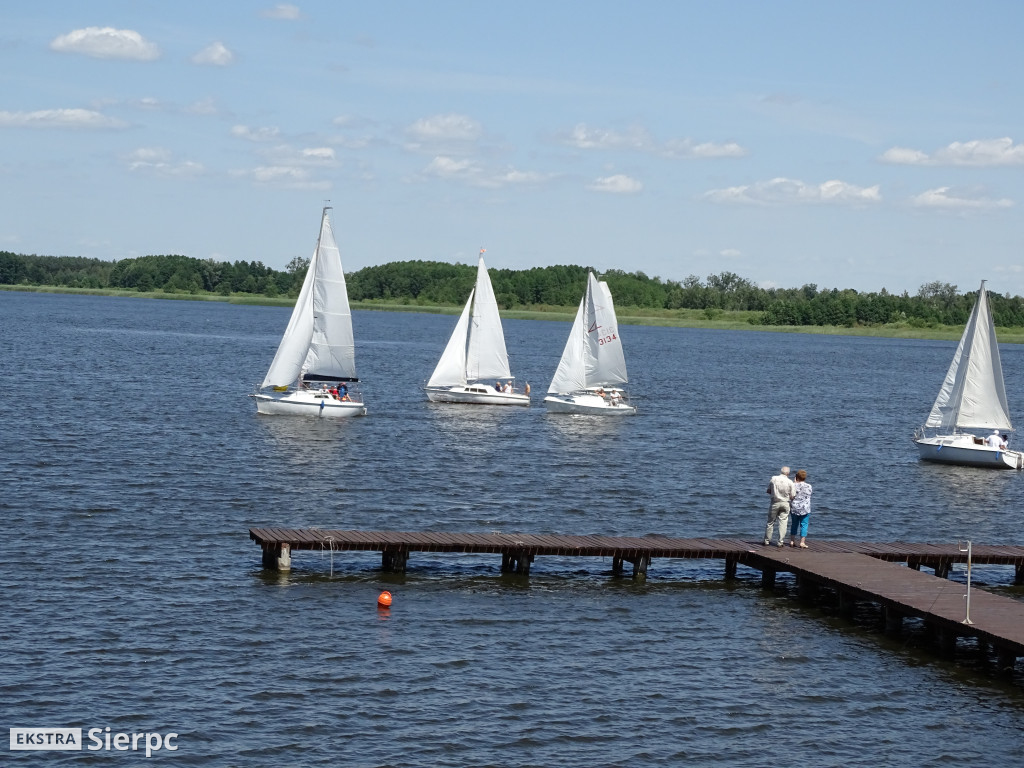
(862, 145)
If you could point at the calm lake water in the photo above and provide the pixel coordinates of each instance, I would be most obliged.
(134, 465)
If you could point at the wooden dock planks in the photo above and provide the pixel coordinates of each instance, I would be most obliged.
(596, 545)
(871, 571)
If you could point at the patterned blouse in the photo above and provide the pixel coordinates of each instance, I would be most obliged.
(801, 504)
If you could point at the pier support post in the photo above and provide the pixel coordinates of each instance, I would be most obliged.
(394, 560)
(1018, 576)
(768, 578)
(893, 620)
(942, 570)
(617, 565)
(1005, 662)
(277, 556)
(945, 640)
(847, 604)
(523, 565)
(730, 568)
(640, 566)
(516, 561)
(805, 588)
(916, 566)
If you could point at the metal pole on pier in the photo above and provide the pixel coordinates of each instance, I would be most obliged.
(967, 597)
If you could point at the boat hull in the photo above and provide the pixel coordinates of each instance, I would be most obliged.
(963, 451)
(307, 404)
(476, 395)
(589, 404)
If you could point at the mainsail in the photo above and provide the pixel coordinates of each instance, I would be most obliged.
(476, 349)
(593, 354)
(973, 395)
(318, 342)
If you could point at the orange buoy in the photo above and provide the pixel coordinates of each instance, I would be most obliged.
(384, 600)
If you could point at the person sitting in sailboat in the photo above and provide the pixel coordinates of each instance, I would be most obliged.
(1004, 443)
(993, 440)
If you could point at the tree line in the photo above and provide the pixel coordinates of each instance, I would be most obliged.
(434, 283)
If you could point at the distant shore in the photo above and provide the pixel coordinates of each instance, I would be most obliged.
(678, 318)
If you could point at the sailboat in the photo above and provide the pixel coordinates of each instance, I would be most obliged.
(314, 368)
(475, 352)
(972, 397)
(592, 371)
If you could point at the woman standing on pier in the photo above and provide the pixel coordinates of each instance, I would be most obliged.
(800, 510)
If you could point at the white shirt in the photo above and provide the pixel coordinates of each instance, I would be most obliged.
(993, 440)
(781, 488)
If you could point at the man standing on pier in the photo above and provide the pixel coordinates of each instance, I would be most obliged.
(781, 490)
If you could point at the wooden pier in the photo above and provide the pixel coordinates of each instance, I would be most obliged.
(887, 574)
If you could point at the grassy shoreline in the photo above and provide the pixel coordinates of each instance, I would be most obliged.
(680, 318)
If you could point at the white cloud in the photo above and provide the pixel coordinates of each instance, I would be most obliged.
(979, 152)
(786, 191)
(215, 55)
(904, 156)
(513, 176)
(356, 132)
(730, 253)
(159, 161)
(444, 129)
(450, 168)
(205, 106)
(638, 139)
(283, 11)
(472, 173)
(258, 134)
(617, 184)
(318, 154)
(283, 155)
(686, 148)
(59, 118)
(106, 43)
(290, 176)
(947, 198)
(583, 137)
(279, 172)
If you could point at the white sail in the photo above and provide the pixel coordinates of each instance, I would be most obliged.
(476, 349)
(593, 355)
(973, 395)
(570, 376)
(609, 366)
(486, 356)
(451, 368)
(318, 340)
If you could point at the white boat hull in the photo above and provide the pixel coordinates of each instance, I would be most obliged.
(591, 404)
(307, 404)
(476, 394)
(962, 450)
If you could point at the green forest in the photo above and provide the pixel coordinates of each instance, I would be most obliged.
(433, 284)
